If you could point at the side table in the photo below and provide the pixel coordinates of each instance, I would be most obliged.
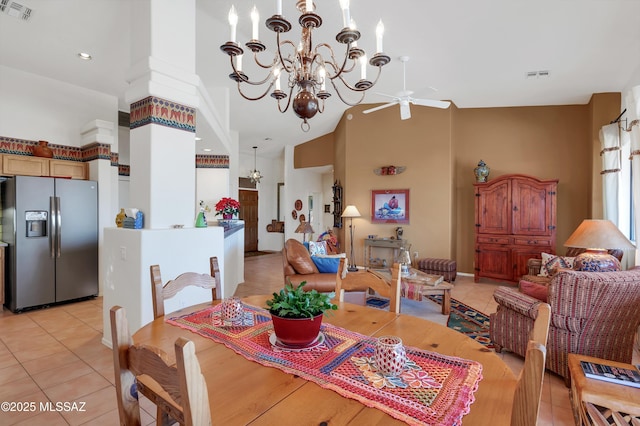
(620, 398)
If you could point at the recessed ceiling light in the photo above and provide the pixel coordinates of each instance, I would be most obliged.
(268, 138)
(206, 149)
(198, 139)
(85, 56)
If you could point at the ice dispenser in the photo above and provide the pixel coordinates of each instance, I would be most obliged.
(36, 222)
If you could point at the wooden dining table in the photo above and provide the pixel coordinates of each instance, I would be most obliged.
(245, 392)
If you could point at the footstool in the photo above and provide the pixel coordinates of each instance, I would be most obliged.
(445, 267)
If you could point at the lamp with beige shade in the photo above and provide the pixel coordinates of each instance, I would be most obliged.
(597, 236)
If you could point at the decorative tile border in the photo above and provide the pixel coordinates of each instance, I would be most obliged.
(124, 170)
(96, 151)
(212, 161)
(161, 111)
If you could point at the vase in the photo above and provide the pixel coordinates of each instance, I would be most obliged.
(481, 172)
(42, 150)
(390, 356)
(201, 221)
(227, 216)
(232, 309)
(120, 218)
(296, 332)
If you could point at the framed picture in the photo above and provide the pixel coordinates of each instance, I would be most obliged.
(390, 206)
(327, 208)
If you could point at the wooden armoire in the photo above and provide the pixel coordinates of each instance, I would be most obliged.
(515, 220)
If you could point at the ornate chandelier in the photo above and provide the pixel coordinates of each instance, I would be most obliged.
(255, 175)
(307, 67)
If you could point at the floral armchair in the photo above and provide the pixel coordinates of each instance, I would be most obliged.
(592, 313)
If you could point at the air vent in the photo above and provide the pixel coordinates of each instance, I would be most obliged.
(537, 74)
(15, 9)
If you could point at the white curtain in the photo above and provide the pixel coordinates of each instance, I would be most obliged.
(632, 100)
(610, 153)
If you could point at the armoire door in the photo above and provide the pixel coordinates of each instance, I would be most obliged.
(493, 203)
(532, 205)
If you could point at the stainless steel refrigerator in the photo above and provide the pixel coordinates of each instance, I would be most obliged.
(51, 226)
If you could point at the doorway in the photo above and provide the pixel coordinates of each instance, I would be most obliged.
(249, 213)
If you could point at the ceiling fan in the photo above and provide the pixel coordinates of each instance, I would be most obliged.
(404, 98)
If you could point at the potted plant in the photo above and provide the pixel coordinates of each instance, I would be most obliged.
(227, 207)
(297, 314)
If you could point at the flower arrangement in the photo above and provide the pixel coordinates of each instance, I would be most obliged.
(227, 206)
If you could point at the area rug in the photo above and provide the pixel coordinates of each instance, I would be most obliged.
(462, 318)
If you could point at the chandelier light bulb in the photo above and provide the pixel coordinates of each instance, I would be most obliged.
(233, 22)
(309, 6)
(353, 27)
(322, 73)
(346, 19)
(279, 7)
(239, 63)
(255, 21)
(276, 73)
(379, 34)
(363, 67)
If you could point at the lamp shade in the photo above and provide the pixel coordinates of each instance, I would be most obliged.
(304, 228)
(351, 211)
(598, 234)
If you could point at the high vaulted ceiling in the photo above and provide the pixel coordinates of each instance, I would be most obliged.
(477, 53)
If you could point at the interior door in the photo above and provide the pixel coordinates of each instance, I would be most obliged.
(249, 213)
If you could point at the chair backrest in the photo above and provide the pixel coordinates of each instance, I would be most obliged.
(160, 292)
(365, 280)
(179, 392)
(526, 399)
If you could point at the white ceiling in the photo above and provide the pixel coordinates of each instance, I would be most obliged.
(477, 53)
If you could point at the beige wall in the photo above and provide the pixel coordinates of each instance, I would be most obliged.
(440, 149)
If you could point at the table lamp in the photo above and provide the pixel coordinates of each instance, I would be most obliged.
(597, 236)
(304, 228)
(351, 212)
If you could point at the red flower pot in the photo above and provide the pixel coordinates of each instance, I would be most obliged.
(296, 332)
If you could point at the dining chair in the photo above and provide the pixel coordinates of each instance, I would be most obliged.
(608, 417)
(179, 391)
(365, 280)
(160, 292)
(526, 399)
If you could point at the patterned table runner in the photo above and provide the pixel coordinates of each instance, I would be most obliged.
(434, 389)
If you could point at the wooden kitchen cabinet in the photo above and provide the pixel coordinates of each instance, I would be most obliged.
(515, 219)
(64, 168)
(23, 165)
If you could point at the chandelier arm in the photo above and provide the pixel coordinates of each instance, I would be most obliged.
(335, 87)
(274, 61)
(288, 102)
(282, 60)
(334, 62)
(249, 98)
(355, 89)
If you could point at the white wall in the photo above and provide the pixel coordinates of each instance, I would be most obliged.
(38, 108)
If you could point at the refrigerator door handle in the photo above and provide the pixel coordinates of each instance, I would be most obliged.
(52, 227)
(58, 228)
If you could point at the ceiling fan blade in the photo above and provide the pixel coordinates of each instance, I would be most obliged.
(367, 111)
(405, 111)
(431, 103)
(386, 96)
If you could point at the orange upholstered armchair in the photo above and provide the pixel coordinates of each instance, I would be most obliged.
(592, 313)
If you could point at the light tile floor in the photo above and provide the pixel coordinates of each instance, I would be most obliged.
(56, 355)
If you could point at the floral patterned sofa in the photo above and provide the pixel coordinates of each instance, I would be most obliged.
(592, 313)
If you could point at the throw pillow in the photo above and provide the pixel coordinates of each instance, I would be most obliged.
(326, 264)
(338, 257)
(298, 257)
(316, 248)
(535, 290)
(551, 263)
